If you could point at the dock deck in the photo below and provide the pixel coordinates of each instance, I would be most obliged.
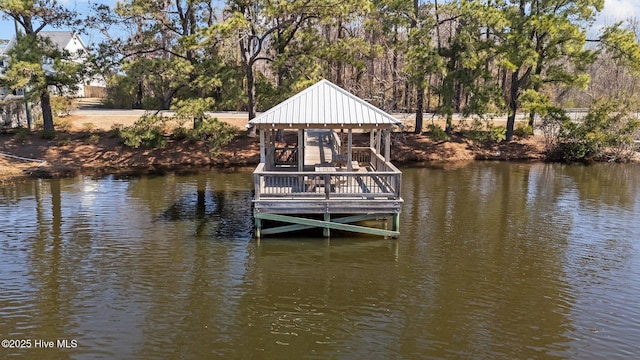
(318, 149)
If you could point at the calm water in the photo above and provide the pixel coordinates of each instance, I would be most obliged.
(495, 261)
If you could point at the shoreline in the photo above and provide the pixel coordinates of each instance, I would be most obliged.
(99, 153)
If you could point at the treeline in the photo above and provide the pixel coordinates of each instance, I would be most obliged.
(476, 57)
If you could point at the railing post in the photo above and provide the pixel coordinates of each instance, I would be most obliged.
(327, 185)
(256, 181)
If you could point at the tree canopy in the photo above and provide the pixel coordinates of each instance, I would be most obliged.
(26, 57)
(476, 57)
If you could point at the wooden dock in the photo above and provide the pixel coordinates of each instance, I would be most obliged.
(322, 180)
(318, 149)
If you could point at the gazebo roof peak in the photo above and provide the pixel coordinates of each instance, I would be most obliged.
(324, 104)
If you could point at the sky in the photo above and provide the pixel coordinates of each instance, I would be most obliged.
(614, 10)
(7, 27)
(617, 10)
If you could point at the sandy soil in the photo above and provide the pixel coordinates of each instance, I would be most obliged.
(106, 120)
(72, 152)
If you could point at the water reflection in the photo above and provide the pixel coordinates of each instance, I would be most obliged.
(495, 261)
(227, 212)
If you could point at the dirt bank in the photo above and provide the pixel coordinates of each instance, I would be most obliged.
(85, 145)
(99, 152)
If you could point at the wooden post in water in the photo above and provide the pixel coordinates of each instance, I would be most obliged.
(258, 224)
(326, 232)
(396, 222)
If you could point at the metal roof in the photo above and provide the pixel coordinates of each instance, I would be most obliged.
(324, 104)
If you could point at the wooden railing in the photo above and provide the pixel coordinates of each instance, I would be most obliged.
(327, 184)
(361, 154)
(379, 164)
(336, 143)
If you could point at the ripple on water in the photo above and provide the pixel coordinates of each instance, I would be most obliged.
(603, 267)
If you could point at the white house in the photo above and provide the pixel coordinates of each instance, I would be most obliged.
(63, 40)
(4, 47)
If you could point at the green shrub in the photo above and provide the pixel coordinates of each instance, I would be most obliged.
(121, 92)
(215, 133)
(48, 134)
(181, 133)
(480, 132)
(62, 106)
(606, 132)
(21, 134)
(523, 131)
(147, 132)
(496, 133)
(436, 133)
(93, 139)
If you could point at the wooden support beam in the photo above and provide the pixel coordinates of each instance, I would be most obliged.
(387, 145)
(270, 160)
(322, 224)
(298, 227)
(263, 154)
(301, 149)
(285, 229)
(350, 150)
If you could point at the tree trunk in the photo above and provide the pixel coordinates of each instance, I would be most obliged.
(407, 90)
(536, 87)
(532, 118)
(47, 116)
(419, 108)
(339, 63)
(372, 67)
(166, 102)
(394, 80)
(513, 105)
(457, 102)
(251, 94)
(280, 83)
(429, 93)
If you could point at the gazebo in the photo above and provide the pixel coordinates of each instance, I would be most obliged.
(323, 180)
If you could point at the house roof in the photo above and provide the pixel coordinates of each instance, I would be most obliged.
(60, 40)
(324, 104)
(5, 45)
